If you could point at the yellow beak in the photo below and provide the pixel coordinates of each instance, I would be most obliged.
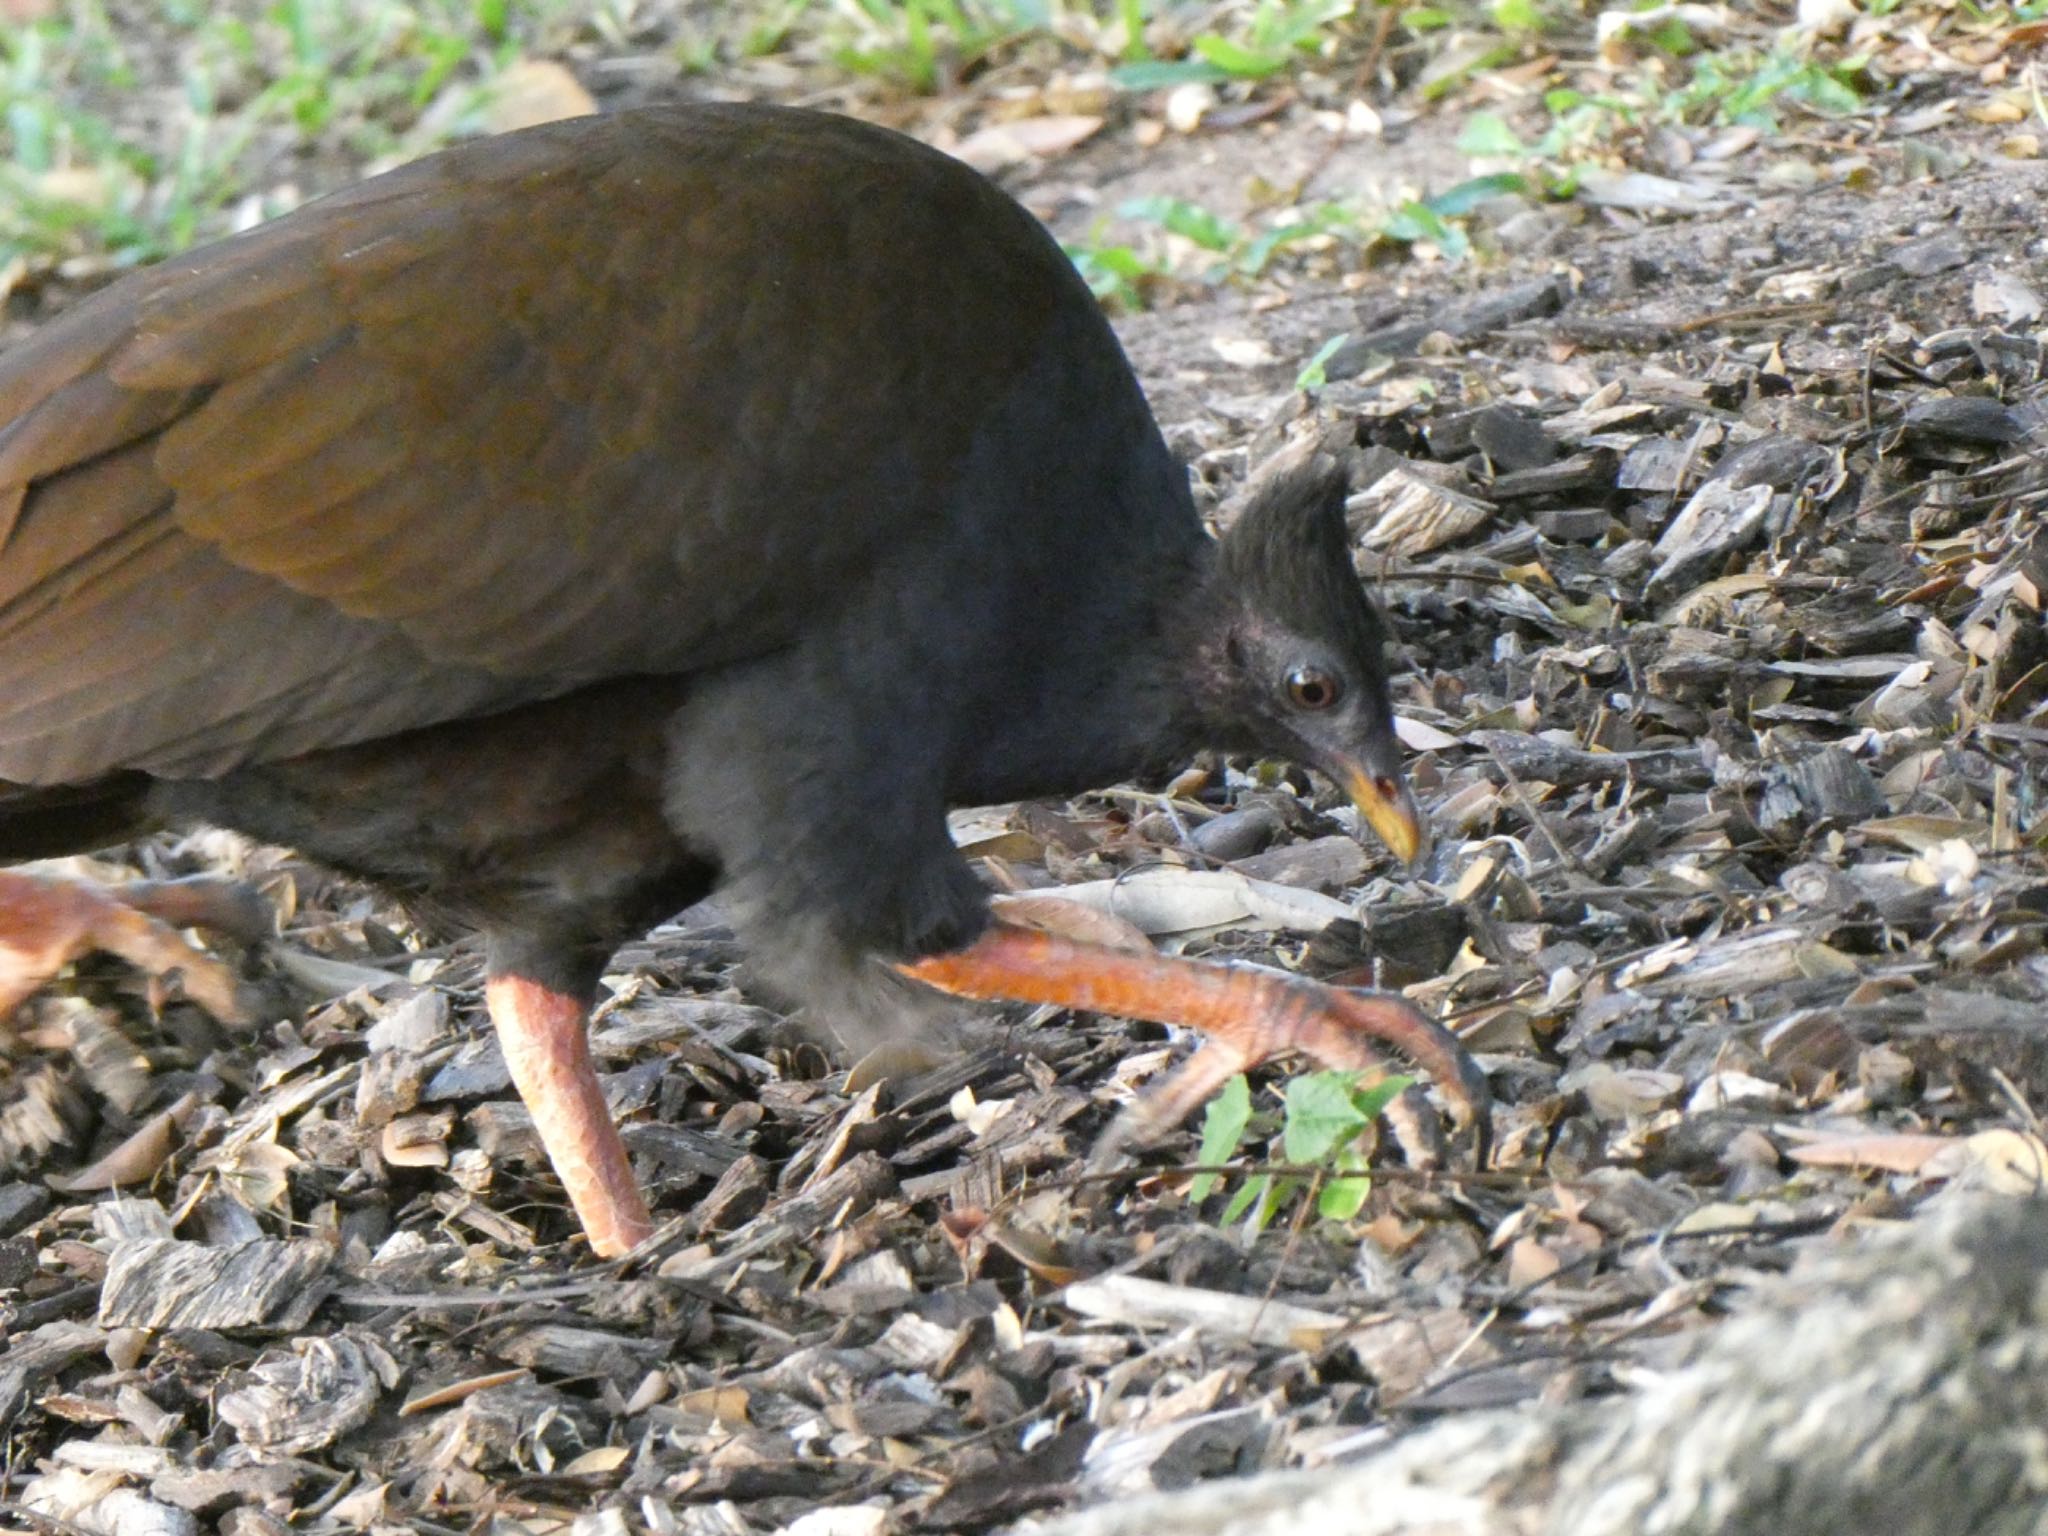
(1389, 810)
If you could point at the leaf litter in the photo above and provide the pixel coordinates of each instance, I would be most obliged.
(1713, 562)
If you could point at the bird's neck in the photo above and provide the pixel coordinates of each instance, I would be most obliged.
(1092, 709)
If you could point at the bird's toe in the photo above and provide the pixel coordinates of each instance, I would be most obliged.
(45, 924)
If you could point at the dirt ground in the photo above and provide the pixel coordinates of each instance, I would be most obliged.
(1708, 541)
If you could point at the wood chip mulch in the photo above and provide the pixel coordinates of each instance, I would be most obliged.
(1721, 589)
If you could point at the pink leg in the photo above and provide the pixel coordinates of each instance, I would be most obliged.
(546, 1039)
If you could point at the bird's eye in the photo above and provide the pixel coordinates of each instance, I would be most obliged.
(1312, 688)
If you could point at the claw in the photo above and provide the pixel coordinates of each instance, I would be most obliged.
(1248, 1015)
(46, 924)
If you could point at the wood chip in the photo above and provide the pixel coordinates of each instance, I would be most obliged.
(292, 1402)
(164, 1283)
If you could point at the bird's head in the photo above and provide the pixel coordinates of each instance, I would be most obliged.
(1291, 662)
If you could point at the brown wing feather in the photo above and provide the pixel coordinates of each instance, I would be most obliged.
(94, 662)
(610, 397)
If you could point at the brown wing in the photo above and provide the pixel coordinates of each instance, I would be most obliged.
(616, 396)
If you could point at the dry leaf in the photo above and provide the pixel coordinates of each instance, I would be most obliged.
(1891, 1152)
(535, 91)
(136, 1160)
(1001, 145)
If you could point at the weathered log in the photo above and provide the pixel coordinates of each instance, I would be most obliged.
(1898, 1383)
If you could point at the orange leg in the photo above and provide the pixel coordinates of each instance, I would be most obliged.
(46, 924)
(1248, 1015)
(546, 1039)
(202, 901)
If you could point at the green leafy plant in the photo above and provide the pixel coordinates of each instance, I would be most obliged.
(919, 43)
(1433, 219)
(1130, 15)
(1322, 1116)
(1274, 36)
(1240, 251)
(1116, 274)
(1312, 376)
(1738, 88)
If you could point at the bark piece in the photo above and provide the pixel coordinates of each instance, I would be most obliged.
(164, 1283)
(291, 1403)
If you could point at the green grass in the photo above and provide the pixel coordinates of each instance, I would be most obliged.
(929, 45)
(123, 144)
(1273, 36)
(128, 134)
(925, 44)
(1200, 246)
(132, 128)
(1735, 87)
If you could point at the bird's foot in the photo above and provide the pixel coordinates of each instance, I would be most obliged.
(545, 1036)
(46, 923)
(1248, 1015)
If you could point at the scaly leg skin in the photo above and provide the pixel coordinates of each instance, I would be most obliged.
(46, 924)
(232, 907)
(1248, 1015)
(545, 1036)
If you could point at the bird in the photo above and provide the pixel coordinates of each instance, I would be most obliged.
(569, 524)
